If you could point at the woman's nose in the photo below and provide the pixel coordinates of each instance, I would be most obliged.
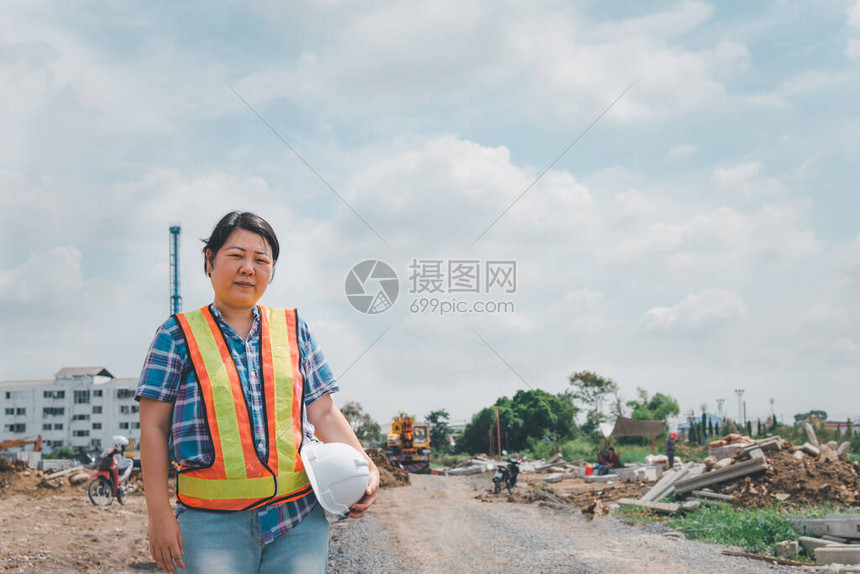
(247, 267)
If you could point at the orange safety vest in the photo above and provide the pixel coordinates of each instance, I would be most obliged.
(239, 478)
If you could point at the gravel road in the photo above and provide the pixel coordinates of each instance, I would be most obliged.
(436, 525)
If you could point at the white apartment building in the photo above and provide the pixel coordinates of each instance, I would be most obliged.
(82, 407)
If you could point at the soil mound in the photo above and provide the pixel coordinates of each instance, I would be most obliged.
(807, 481)
(389, 474)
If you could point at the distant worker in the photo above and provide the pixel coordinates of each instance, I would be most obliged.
(606, 460)
(670, 448)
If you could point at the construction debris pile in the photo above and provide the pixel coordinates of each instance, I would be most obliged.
(16, 477)
(389, 474)
(559, 483)
(757, 473)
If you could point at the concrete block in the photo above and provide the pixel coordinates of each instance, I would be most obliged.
(827, 454)
(810, 434)
(662, 507)
(844, 450)
(799, 455)
(559, 476)
(839, 525)
(786, 549)
(811, 449)
(691, 505)
(603, 479)
(837, 555)
(713, 495)
(832, 444)
(756, 453)
(661, 489)
(726, 451)
(722, 463)
(732, 472)
(809, 544)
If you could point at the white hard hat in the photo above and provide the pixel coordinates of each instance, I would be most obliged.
(337, 472)
(119, 441)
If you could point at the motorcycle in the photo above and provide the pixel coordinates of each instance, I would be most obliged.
(506, 475)
(111, 480)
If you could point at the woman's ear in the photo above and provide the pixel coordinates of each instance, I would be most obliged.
(208, 256)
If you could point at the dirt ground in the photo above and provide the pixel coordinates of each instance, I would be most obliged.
(45, 529)
(57, 529)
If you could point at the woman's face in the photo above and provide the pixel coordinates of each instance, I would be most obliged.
(241, 270)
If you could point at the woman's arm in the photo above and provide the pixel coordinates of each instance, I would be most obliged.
(331, 426)
(165, 538)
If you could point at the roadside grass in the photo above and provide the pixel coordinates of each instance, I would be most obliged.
(754, 530)
(445, 459)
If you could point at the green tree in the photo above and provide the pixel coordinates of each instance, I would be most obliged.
(589, 391)
(366, 429)
(529, 415)
(439, 430)
(657, 406)
(814, 414)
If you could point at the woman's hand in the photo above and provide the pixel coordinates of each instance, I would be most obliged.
(359, 508)
(165, 542)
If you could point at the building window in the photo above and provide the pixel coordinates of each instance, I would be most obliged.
(81, 433)
(135, 408)
(97, 426)
(80, 417)
(53, 411)
(121, 425)
(125, 409)
(82, 397)
(54, 394)
(97, 393)
(20, 411)
(58, 426)
(124, 393)
(10, 411)
(8, 395)
(46, 426)
(18, 427)
(97, 410)
(135, 425)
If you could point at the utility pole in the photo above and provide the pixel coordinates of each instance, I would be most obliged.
(175, 297)
(720, 403)
(498, 434)
(740, 394)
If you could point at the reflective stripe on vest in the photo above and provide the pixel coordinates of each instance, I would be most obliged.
(238, 478)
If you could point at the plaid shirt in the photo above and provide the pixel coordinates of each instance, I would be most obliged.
(168, 376)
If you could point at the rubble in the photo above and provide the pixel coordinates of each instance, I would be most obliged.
(389, 474)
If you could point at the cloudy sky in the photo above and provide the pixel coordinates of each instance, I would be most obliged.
(702, 236)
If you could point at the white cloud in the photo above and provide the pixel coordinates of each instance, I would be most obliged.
(682, 150)
(852, 50)
(699, 311)
(823, 313)
(420, 54)
(846, 349)
(743, 179)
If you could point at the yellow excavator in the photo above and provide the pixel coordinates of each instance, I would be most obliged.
(12, 443)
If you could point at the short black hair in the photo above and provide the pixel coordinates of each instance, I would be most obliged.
(240, 220)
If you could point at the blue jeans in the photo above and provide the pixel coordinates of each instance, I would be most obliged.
(230, 542)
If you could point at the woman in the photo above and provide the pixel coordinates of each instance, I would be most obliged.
(222, 389)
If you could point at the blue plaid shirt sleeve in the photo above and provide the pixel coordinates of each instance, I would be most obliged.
(319, 379)
(164, 365)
